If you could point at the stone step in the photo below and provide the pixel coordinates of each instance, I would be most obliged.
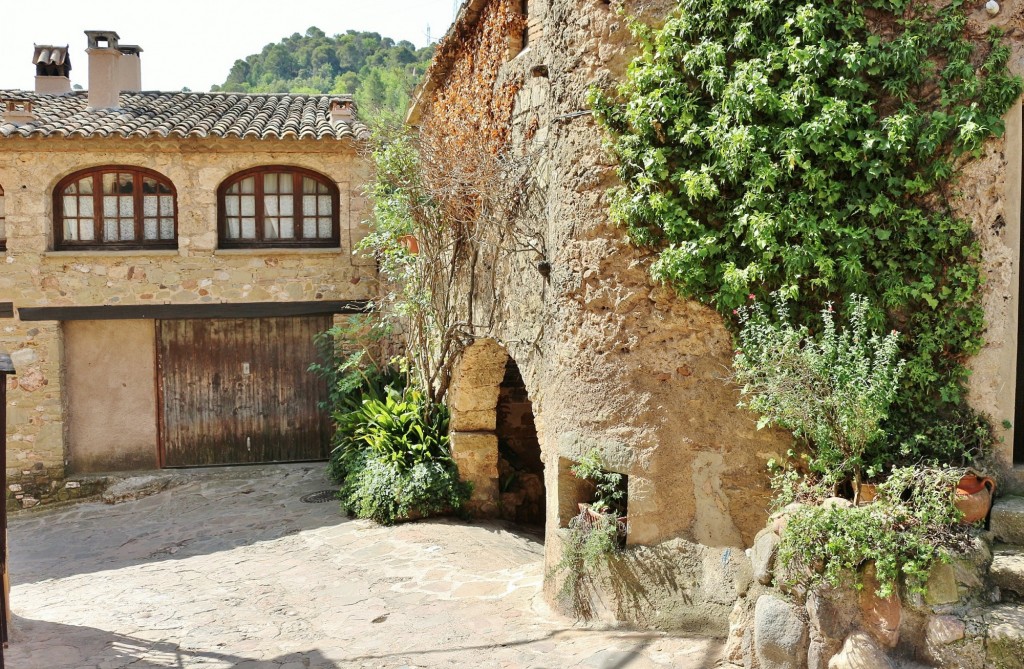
(1008, 520)
(1007, 569)
(1005, 645)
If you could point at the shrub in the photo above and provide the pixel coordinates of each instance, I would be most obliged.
(393, 459)
(609, 493)
(391, 450)
(399, 429)
(354, 369)
(380, 490)
(832, 390)
(905, 532)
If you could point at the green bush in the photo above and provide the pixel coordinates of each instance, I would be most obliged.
(354, 369)
(391, 450)
(384, 492)
(594, 534)
(609, 492)
(905, 532)
(393, 459)
(832, 390)
(399, 429)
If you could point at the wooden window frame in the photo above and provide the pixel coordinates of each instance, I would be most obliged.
(297, 174)
(97, 243)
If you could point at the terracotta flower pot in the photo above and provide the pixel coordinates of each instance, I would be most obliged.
(974, 497)
(595, 517)
(410, 243)
(868, 492)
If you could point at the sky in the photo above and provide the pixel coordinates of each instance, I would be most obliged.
(193, 43)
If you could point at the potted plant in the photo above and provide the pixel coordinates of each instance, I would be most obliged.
(595, 533)
(973, 496)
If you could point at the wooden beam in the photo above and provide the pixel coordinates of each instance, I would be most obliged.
(179, 311)
(6, 309)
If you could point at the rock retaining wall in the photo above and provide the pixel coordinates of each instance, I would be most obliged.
(961, 621)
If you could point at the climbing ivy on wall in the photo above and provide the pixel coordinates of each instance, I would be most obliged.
(812, 148)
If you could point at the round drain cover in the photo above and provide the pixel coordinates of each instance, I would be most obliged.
(319, 497)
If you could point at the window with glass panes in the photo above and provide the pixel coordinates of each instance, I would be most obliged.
(115, 207)
(278, 206)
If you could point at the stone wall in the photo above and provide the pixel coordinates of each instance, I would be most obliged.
(988, 194)
(961, 620)
(33, 275)
(609, 359)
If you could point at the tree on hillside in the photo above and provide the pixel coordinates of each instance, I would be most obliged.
(378, 71)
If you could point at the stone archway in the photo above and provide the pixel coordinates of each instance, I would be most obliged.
(494, 440)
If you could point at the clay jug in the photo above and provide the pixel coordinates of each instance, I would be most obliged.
(974, 497)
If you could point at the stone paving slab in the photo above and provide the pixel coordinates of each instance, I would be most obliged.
(231, 569)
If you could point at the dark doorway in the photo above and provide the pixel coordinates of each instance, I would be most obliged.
(520, 468)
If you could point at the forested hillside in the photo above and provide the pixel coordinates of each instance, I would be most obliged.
(379, 72)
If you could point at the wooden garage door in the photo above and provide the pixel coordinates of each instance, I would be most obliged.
(238, 391)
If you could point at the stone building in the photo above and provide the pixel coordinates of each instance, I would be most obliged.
(601, 357)
(169, 257)
(582, 349)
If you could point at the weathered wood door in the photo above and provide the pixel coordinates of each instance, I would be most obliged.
(237, 390)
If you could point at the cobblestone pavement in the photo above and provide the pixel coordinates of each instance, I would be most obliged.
(231, 569)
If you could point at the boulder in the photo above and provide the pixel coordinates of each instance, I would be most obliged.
(833, 612)
(780, 634)
(860, 651)
(737, 644)
(766, 549)
(820, 650)
(944, 630)
(941, 587)
(881, 616)
(136, 487)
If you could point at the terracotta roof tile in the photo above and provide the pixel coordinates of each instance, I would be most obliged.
(47, 54)
(154, 114)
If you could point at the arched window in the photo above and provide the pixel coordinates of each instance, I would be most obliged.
(3, 221)
(115, 207)
(278, 206)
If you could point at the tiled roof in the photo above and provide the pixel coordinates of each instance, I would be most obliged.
(155, 115)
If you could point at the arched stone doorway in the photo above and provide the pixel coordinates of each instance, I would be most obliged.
(494, 438)
(520, 468)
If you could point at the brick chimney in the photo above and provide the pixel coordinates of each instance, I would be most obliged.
(104, 69)
(130, 68)
(53, 67)
(343, 110)
(18, 110)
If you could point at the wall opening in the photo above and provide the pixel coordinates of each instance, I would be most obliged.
(520, 467)
(524, 8)
(575, 493)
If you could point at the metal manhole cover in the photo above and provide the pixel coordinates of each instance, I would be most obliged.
(319, 497)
